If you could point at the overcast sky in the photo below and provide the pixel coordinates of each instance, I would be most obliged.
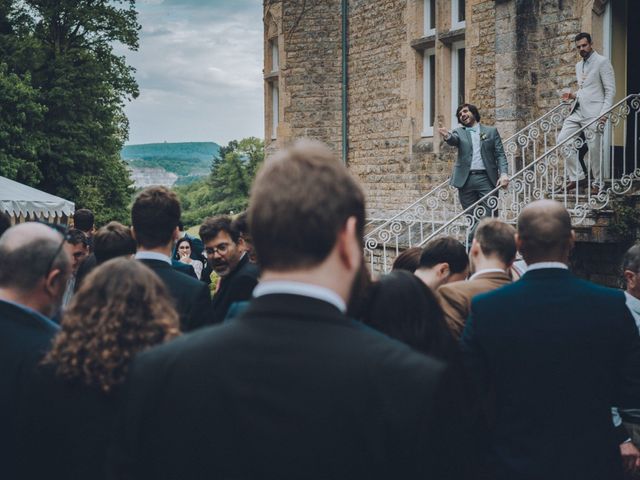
(199, 68)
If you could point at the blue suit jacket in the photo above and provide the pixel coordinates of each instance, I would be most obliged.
(24, 338)
(556, 352)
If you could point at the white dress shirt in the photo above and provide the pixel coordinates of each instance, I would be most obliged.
(152, 256)
(299, 288)
(486, 270)
(476, 159)
(541, 265)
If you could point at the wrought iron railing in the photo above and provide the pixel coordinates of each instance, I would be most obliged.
(430, 213)
(612, 145)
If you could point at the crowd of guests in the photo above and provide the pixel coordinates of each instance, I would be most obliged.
(263, 349)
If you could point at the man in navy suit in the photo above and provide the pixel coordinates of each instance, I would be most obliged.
(34, 268)
(154, 218)
(554, 353)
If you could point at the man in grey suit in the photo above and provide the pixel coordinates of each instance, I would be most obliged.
(481, 165)
(596, 90)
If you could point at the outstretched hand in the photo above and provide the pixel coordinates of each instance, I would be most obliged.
(443, 131)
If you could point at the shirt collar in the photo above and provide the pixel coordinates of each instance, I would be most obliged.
(632, 302)
(475, 128)
(152, 256)
(541, 265)
(487, 270)
(31, 311)
(300, 288)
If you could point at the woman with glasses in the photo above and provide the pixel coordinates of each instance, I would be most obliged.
(66, 423)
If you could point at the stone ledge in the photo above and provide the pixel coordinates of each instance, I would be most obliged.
(452, 36)
(424, 43)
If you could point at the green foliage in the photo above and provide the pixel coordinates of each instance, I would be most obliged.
(626, 219)
(60, 55)
(226, 190)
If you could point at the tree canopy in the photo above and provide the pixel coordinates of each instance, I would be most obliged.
(226, 190)
(62, 91)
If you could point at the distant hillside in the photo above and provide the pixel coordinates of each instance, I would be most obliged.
(192, 159)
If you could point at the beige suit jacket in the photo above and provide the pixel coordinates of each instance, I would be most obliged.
(455, 298)
(597, 85)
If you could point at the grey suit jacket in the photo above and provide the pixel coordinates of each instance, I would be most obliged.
(490, 148)
(597, 88)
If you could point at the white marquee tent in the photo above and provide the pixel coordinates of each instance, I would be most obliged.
(23, 202)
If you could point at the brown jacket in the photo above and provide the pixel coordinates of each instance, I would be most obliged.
(455, 298)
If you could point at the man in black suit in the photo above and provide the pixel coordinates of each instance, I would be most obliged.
(227, 256)
(554, 353)
(292, 388)
(154, 218)
(33, 275)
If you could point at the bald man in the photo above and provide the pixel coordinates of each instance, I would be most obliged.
(551, 354)
(33, 275)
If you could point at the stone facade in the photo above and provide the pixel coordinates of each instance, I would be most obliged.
(519, 56)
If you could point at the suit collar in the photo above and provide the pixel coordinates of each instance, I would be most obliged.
(492, 273)
(547, 273)
(153, 256)
(154, 263)
(295, 307)
(299, 288)
(28, 315)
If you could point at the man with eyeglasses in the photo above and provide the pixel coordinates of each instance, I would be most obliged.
(226, 255)
(77, 245)
(34, 267)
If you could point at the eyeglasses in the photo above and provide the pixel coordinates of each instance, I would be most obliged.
(221, 249)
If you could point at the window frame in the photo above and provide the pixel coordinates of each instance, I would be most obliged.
(456, 23)
(426, 28)
(427, 122)
(455, 75)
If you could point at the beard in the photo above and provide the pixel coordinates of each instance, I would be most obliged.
(358, 298)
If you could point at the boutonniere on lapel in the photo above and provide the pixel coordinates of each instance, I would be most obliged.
(483, 136)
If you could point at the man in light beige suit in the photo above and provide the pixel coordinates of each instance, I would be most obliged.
(492, 252)
(596, 90)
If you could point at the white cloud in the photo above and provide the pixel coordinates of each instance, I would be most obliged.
(199, 68)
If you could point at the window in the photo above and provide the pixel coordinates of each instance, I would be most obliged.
(457, 79)
(275, 55)
(457, 14)
(275, 113)
(429, 17)
(428, 92)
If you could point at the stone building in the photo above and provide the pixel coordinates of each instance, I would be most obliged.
(375, 78)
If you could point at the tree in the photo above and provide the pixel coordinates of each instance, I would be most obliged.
(64, 50)
(227, 188)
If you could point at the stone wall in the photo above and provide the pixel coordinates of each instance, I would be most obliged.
(519, 56)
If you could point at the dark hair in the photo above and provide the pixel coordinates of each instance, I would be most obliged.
(176, 254)
(631, 259)
(155, 215)
(472, 108)
(497, 238)
(408, 260)
(77, 237)
(25, 264)
(121, 308)
(5, 222)
(404, 308)
(113, 240)
(300, 201)
(83, 219)
(212, 226)
(582, 35)
(445, 250)
(241, 224)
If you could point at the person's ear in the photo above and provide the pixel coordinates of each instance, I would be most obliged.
(176, 234)
(630, 278)
(519, 244)
(442, 270)
(349, 249)
(133, 232)
(475, 248)
(54, 281)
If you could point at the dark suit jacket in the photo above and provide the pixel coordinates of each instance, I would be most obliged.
(184, 268)
(24, 338)
(491, 150)
(455, 298)
(191, 296)
(69, 425)
(290, 389)
(558, 353)
(235, 287)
